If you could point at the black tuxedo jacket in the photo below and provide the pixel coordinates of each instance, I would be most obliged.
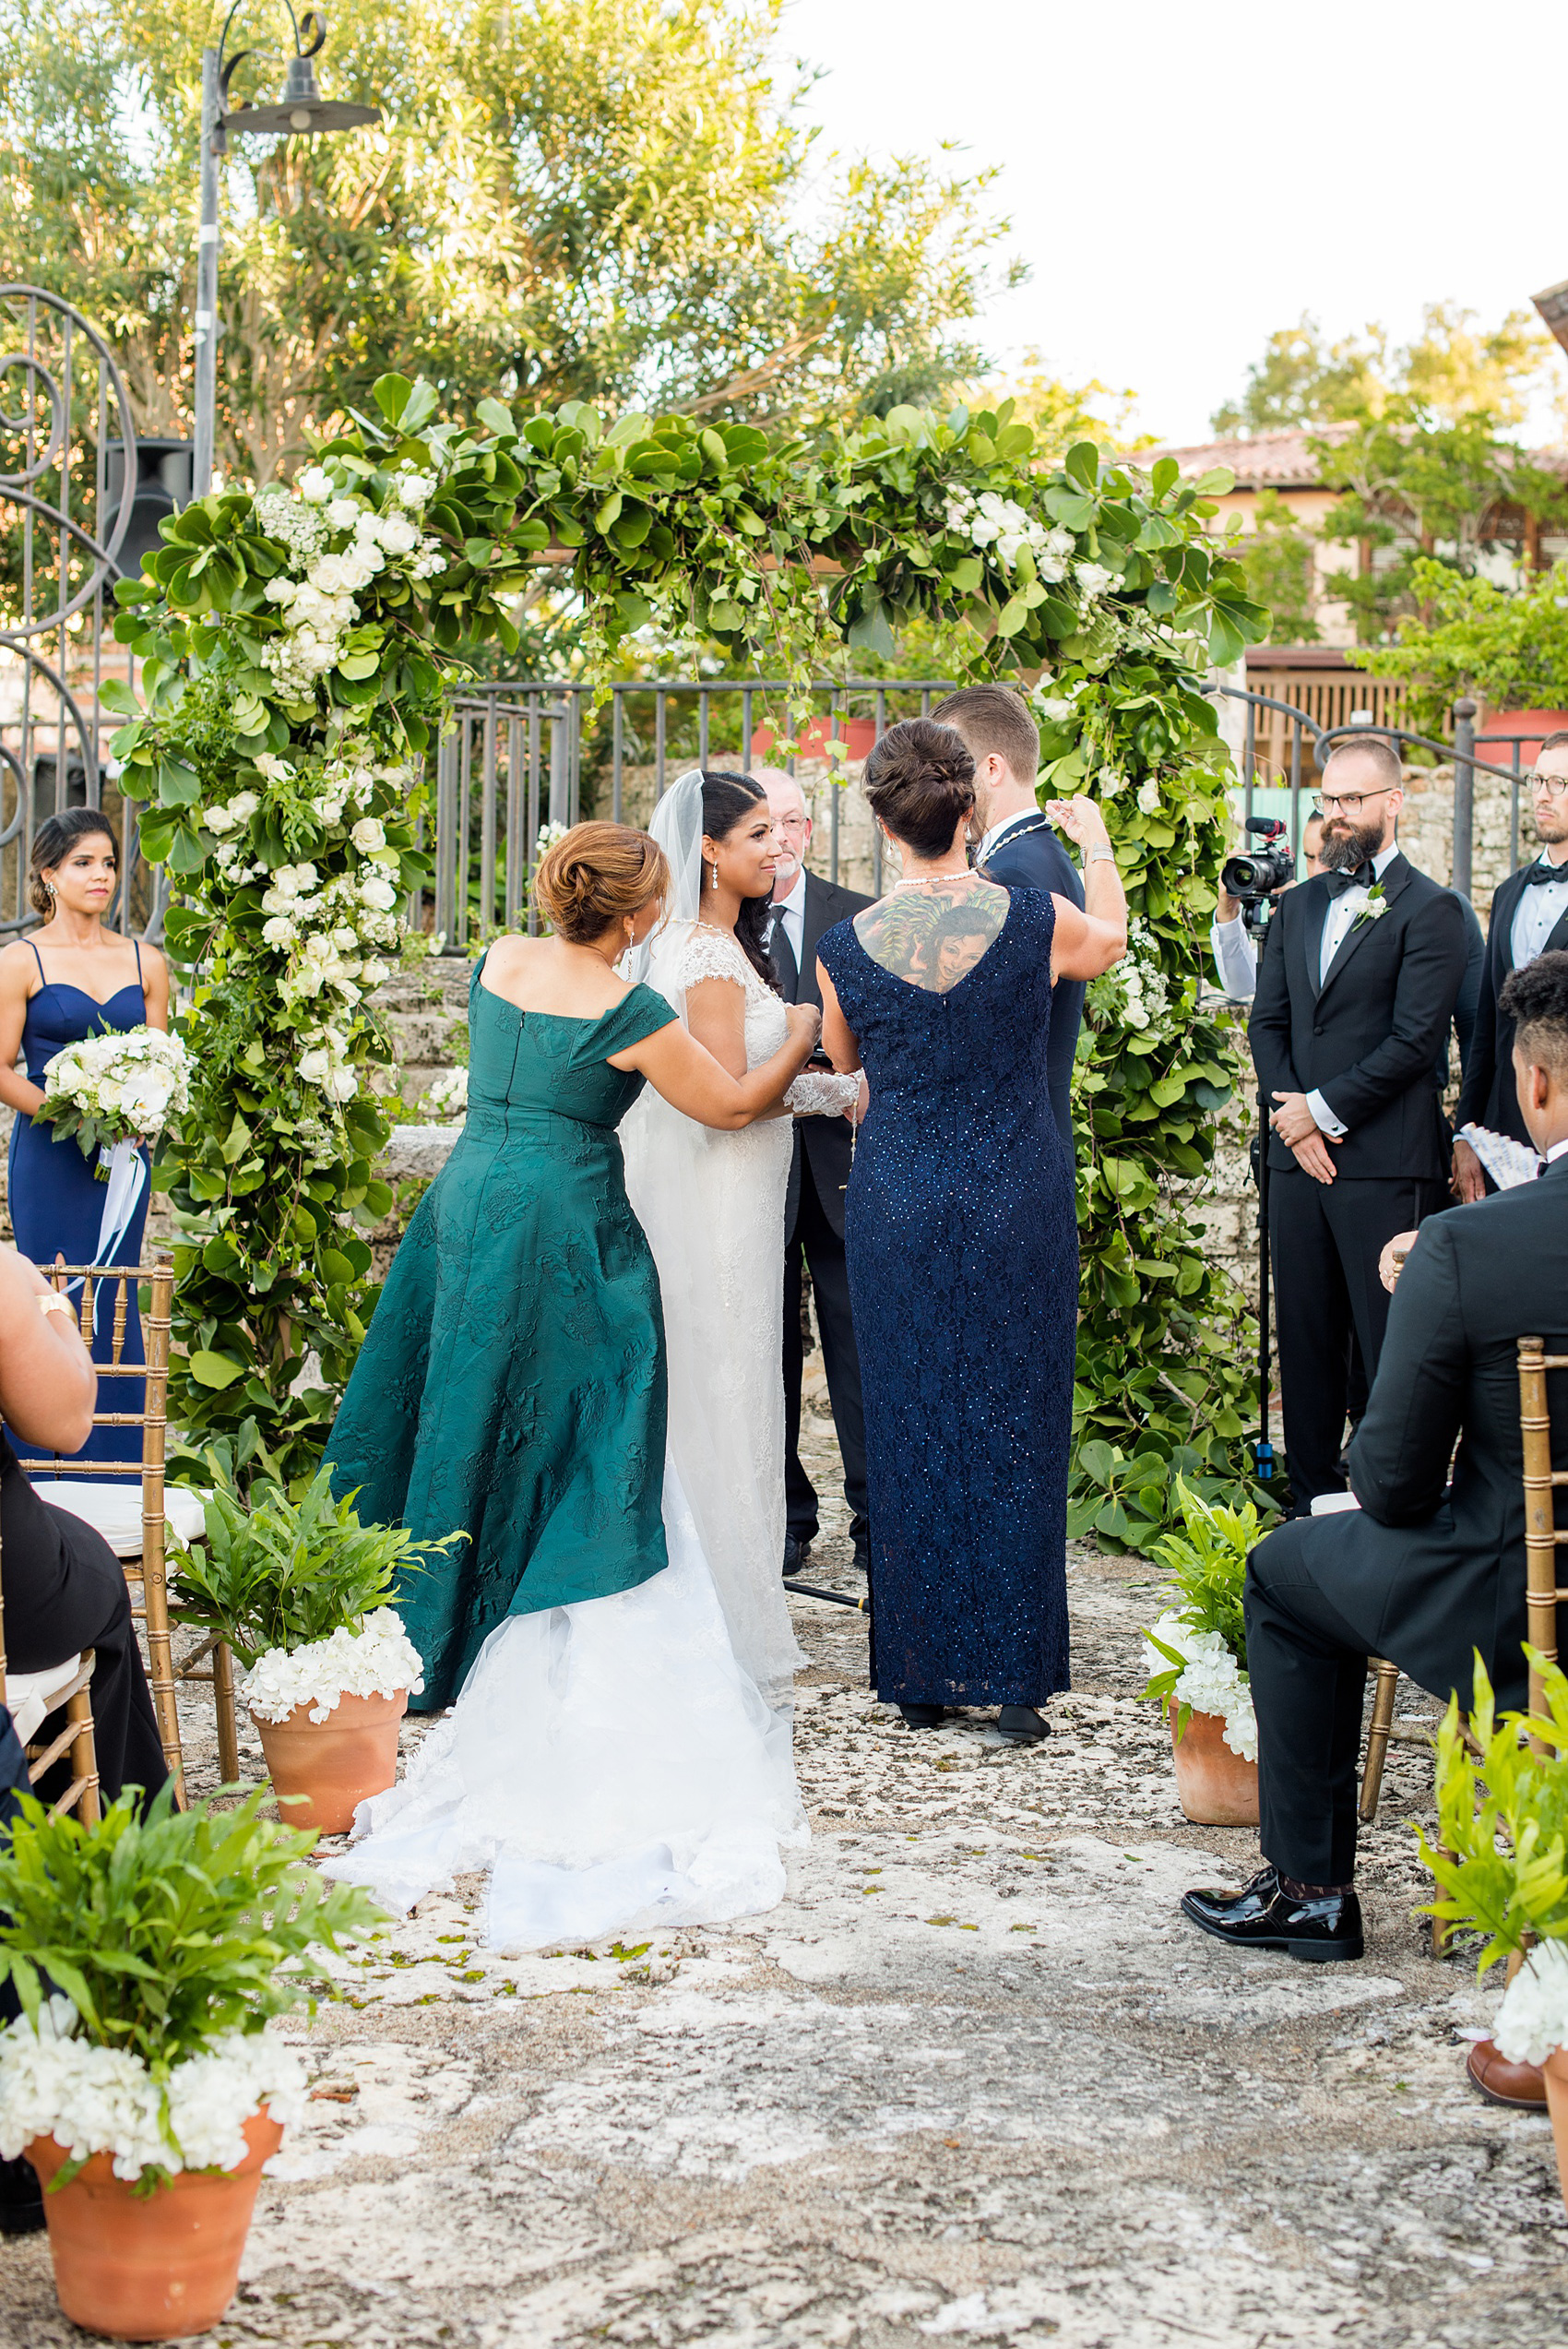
(825, 1140)
(1425, 1573)
(1369, 1038)
(1038, 861)
(1487, 1096)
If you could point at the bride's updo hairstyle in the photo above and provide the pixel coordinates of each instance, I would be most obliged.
(919, 780)
(728, 800)
(595, 876)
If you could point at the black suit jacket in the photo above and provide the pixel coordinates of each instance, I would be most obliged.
(1370, 1037)
(1038, 861)
(1425, 1573)
(825, 1140)
(1487, 1097)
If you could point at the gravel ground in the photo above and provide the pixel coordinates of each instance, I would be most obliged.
(974, 2077)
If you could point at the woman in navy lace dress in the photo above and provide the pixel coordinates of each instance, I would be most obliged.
(962, 1241)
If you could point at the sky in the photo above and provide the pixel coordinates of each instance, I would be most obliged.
(1184, 179)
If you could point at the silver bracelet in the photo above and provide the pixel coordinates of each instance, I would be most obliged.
(1095, 853)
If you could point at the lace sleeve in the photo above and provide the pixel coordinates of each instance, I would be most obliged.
(818, 1093)
(708, 954)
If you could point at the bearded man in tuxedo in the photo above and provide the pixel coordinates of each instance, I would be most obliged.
(804, 907)
(1529, 917)
(1361, 970)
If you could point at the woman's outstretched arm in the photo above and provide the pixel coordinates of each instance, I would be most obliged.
(693, 1081)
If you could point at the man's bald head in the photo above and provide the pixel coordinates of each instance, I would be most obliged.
(786, 806)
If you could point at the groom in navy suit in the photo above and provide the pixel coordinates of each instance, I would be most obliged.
(1020, 848)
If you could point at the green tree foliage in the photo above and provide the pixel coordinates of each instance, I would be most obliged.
(1278, 557)
(1105, 586)
(600, 199)
(1467, 636)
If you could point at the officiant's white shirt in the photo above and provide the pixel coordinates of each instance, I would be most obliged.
(791, 912)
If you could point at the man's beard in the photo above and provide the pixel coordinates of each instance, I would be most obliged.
(1342, 851)
(1553, 829)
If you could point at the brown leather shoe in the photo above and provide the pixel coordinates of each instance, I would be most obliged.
(1520, 2086)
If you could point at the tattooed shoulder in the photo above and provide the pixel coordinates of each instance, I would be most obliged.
(931, 938)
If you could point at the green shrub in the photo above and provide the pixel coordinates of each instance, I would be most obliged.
(1501, 1859)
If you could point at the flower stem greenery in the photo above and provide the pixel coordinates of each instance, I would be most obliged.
(1501, 1856)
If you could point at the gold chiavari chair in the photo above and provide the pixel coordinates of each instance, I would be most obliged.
(139, 1536)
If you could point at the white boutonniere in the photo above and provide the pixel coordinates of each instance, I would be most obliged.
(1375, 907)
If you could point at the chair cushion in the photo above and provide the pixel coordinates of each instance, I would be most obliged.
(112, 1504)
(30, 1695)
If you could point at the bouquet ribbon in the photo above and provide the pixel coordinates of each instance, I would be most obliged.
(127, 1180)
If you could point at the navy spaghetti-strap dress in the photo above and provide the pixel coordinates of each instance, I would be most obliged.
(56, 1202)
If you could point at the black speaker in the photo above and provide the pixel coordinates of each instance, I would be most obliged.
(164, 486)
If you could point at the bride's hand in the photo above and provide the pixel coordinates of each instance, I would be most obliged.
(804, 1023)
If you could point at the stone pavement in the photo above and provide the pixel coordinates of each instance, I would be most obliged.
(973, 2078)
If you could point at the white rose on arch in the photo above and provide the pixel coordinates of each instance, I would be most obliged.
(368, 835)
(316, 485)
(219, 819)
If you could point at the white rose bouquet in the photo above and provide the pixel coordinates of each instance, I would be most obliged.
(115, 1087)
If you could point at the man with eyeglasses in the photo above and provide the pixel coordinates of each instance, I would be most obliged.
(1360, 970)
(1529, 917)
(804, 906)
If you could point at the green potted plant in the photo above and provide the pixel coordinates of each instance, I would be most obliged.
(1500, 1862)
(303, 1593)
(140, 2079)
(1196, 1654)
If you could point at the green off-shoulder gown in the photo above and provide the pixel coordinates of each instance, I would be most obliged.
(512, 1383)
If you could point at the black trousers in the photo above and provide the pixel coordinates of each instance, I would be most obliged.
(1323, 1243)
(66, 1594)
(1308, 1668)
(814, 1239)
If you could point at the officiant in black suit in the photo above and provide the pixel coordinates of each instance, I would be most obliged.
(1019, 847)
(1360, 969)
(1426, 1572)
(1530, 917)
(804, 907)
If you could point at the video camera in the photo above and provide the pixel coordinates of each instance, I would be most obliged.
(1253, 880)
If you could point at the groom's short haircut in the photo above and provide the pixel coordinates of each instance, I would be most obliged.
(995, 722)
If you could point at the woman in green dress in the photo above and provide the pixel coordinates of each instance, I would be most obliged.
(608, 1757)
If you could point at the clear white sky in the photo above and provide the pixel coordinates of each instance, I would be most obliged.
(1184, 179)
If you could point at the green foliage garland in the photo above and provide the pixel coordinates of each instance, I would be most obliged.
(298, 647)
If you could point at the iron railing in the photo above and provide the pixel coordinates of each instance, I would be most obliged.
(520, 755)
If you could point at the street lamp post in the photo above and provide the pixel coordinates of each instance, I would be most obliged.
(302, 111)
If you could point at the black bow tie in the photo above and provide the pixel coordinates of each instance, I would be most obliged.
(1363, 877)
(1540, 875)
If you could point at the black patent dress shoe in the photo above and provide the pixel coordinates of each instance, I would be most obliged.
(1320, 1929)
(1021, 1726)
(795, 1553)
(922, 1716)
(21, 2198)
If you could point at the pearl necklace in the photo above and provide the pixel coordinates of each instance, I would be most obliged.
(927, 880)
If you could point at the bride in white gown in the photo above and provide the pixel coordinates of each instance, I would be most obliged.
(610, 1762)
(712, 1204)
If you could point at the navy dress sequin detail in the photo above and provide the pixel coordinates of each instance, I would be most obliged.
(963, 1255)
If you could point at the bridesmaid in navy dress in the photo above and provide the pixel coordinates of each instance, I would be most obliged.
(962, 1241)
(69, 979)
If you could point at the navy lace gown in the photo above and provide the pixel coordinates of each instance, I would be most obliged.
(963, 1255)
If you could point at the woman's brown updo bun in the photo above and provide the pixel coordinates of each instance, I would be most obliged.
(919, 780)
(596, 876)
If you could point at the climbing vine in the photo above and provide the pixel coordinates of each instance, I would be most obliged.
(298, 645)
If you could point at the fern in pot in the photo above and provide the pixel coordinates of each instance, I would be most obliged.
(1196, 1655)
(140, 2079)
(1500, 1862)
(304, 1593)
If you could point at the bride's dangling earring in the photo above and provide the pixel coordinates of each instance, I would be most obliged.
(715, 872)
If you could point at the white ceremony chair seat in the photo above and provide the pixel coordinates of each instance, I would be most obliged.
(116, 1510)
(30, 1696)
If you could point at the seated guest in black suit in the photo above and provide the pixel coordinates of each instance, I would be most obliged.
(1425, 1573)
(1019, 847)
(62, 1587)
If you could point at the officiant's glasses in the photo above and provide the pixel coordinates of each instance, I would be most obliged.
(1553, 785)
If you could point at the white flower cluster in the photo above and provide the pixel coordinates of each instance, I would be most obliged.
(374, 1661)
(1533, 2018)
(1146, 992)
(448, 1097)
(1148, 795)
(131, 1082)
(324, 927)
(992, 519)
(104, 2100)
(1093, 579)
(1213, 1682)
(339, 542)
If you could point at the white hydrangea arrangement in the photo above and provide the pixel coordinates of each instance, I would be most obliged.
(448, 1096)
(1138, 989)
(337, 542)
(374, 1661)
(1533, 2019)
(1210, 1680)
(91, 2099)
(115, 1087)
(1196, 1651)
(993, 521)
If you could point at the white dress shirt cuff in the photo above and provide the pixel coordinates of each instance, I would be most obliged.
(1234, 960)
(1324, 1116)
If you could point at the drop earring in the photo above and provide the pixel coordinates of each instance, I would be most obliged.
(715, 872)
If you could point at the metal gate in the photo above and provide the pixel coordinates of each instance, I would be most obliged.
(68, 479)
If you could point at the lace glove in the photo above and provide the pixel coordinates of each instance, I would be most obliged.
(819, 1093)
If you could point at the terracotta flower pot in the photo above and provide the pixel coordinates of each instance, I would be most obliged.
(334, 1763)
(1214, 1786)
(1556, 2071)
(151, 2267)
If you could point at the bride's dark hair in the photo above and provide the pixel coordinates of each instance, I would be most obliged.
(728, 800)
